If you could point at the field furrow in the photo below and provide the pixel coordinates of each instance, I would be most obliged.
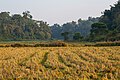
(65, 63)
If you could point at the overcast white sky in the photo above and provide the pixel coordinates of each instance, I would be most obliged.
(57, 11)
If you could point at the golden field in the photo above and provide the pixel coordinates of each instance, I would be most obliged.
(60, 63)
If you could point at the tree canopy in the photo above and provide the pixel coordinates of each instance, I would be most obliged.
(18, 27)
(81, 26)
(110, 24)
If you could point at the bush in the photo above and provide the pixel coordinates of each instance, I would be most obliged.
(17, 45)
(117, 43)
(58, 44)
(48, 44)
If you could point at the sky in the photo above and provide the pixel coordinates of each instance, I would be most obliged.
(57, 11)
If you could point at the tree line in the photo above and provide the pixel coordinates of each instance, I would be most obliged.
(103, 28)
(69, 31)
(108, 27)
(23, 27)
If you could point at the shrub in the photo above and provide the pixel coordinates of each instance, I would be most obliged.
(58, 44)
(117, 43)
(17, 45)
(47, 44)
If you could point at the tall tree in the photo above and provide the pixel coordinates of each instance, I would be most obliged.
(82, 26)
(65, 35)
(112, 19)
(16, 27)
(98, 31)
(77, 36)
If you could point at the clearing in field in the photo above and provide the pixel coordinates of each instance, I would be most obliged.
(65, 63)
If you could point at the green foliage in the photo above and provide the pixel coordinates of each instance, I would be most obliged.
(98, 31)
(56, 30)
(112, 19)
(81, 26)
(65, 35)
(17, 27)
(99, 25)
(77, 37)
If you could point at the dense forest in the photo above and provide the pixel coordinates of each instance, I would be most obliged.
(81, 26)
(104, 28)
(17, 27)
(108, 27)
(23, 27)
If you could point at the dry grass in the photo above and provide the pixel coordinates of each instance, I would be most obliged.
(63, 63)
(35, 44)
